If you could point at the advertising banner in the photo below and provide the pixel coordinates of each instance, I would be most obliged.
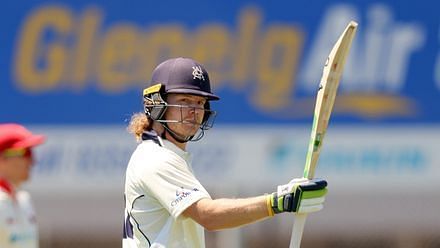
(81, 62)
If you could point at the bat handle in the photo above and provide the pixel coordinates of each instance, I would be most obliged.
(297, 231)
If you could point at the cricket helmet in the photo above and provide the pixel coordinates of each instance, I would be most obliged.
(176, 75)
(183, 75)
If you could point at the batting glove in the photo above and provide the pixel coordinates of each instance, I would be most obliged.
(300, 195)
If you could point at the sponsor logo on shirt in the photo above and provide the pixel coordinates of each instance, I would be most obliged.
(181, 194)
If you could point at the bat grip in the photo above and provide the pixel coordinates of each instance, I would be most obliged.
(297, 231)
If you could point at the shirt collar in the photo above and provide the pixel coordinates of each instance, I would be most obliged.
(6, 187)
(184, 154)
(153, 136)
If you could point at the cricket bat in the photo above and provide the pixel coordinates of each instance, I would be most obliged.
(325, 99)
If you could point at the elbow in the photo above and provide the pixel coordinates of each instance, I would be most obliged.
(206, 214)
(208, 224)
(203, 213)
(210, 227)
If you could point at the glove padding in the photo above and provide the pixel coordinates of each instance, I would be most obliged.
(300, 195)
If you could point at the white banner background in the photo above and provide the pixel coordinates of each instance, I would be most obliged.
(381, 179)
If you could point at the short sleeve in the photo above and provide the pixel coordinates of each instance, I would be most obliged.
(173, 185)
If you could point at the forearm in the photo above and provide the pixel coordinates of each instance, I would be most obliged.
(228, 213)
(299, 195)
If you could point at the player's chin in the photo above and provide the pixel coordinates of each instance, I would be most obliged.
(24, 177)
(192, 132)
(191, 127)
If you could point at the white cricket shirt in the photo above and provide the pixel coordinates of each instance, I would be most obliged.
(159, 186)
(18, 228)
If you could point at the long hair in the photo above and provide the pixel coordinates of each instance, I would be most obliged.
(139, 123)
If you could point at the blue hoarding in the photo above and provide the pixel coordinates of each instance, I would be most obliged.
(80, 62)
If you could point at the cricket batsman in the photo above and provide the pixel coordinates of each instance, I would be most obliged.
(165, 204)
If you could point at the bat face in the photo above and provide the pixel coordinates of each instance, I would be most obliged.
(326, 95)
(327, 89)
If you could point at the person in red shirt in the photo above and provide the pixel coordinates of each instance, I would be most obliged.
(18, 227)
